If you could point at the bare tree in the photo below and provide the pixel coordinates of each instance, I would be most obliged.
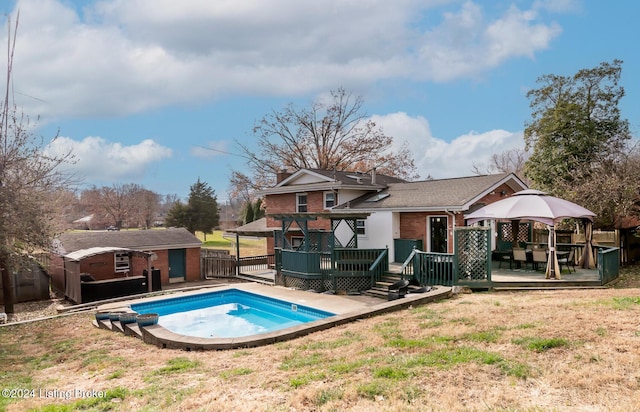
(122, 204)
(612, 188)
(147, 206)
(509, 161)
(29, 182)
(334, 134)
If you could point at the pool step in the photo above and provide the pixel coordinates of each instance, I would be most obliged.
(117, 326)
(128, 329)
(132, 329)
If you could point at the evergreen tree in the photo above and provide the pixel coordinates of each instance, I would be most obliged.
(199, 214)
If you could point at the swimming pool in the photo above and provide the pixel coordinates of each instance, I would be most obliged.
(229, 313)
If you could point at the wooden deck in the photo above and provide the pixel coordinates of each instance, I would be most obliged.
(529, 278)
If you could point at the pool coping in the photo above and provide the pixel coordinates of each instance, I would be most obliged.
(346, 309)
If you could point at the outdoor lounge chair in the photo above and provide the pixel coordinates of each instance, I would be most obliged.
(568, 261)
(520, 257)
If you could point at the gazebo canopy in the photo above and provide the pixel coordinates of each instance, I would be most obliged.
(531, 205)
(536, 205)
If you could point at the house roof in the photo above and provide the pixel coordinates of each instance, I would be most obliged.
(350, 178)
(255, 228)
(453, 194)
(154, 239)
(318, 179)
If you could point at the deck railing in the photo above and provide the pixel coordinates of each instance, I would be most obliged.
(431, 268)
(299, 263)
(406, 269)
(379, 267)
(608, 264)
(257, 262)
(435, 268)
(347, 268)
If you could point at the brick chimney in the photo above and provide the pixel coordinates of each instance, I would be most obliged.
(282, 175)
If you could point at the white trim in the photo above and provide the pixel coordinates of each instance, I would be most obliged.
(506, 180)
(297, 174)
(365, 235)
(306, 203)
(324, 199)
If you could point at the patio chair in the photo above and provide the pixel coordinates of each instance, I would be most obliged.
(520, 257)
(568, 261)
(539, 256)
(502, 256)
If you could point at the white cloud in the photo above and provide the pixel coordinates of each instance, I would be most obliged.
(99, 160)
(441, 159)
(125, 56)
(466, 43)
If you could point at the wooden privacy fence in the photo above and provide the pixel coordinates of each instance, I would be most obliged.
(217, 264)
(220, 263)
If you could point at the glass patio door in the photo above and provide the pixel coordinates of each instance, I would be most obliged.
(438, 234)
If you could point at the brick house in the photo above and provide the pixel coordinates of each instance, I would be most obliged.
(175, 253)
(425, 212)
(316, 191)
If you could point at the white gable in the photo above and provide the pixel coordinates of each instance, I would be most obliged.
(304, 177)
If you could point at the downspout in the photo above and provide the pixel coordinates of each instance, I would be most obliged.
(453, 228)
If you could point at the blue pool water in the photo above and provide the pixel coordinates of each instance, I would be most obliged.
(228, 314)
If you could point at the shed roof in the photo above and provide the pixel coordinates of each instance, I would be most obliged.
(78, 255)
(153, 239)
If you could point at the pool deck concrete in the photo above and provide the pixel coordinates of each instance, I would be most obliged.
(347, 308)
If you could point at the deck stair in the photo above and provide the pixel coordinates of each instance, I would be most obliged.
(381, 288)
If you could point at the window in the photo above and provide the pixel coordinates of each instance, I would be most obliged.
(301, 202)
(361, 228)
(329, 200)
(122, 262)
(296, 242)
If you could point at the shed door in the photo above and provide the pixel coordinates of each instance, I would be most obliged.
(177, 265)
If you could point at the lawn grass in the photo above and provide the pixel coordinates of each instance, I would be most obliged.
(219, 240)
(534, 351)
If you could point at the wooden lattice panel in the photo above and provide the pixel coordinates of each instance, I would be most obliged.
(472, 252)
(506, 232)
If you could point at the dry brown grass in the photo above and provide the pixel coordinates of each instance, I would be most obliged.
(564, 350)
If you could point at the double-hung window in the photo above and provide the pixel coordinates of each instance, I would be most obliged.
(361, 228)
(301, 202)
(329, 200)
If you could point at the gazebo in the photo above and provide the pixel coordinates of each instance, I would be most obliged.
(538, 206)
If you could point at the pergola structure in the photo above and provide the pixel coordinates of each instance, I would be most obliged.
(301, 220)
(326, 259)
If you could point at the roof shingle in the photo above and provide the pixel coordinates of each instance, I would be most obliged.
(154, 239)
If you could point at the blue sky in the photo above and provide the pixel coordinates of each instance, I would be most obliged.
(137, 87)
